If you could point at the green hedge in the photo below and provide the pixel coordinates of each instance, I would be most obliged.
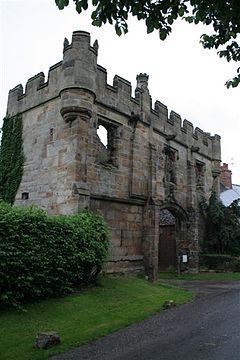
(220, 262)
(42, 256)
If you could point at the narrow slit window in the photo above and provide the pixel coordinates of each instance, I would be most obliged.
(200, 175)
(51, 132)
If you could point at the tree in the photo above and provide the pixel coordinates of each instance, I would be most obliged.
(222, 15)
(222, 232)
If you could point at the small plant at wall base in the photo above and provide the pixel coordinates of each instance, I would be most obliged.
(11, 158)
(222, 233)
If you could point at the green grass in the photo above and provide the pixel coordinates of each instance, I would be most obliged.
(215, 276)
(83, 317)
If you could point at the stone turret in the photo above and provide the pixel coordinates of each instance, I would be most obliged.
(78, 93)
(143, 96)
(78, 83)
(142, 81)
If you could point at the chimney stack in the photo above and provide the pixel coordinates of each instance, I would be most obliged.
(226, 176)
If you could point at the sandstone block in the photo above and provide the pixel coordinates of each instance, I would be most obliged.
(47, 339)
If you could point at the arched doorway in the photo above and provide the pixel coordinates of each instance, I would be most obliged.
(172, 236)
(167, 254)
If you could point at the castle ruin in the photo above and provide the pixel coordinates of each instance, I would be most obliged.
(147, 180)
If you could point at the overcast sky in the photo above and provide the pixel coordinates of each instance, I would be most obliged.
(182, 75)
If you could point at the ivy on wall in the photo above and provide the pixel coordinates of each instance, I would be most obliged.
(11, 158)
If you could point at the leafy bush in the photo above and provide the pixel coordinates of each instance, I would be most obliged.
(215, 261)
(220, 262)
(43, 256)
(222, 232)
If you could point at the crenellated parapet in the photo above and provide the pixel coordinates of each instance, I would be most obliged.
(37, 91)
(80, 82)
(77, 70)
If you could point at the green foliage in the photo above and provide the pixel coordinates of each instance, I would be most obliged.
(220, 262)
(222, 227)
(11, 158)
(223, 16)
(44, 256)
(83, 317)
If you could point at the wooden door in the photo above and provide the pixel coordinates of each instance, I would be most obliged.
(167, 248)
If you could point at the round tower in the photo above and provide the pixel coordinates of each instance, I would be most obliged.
(77, 94)
(78, 83)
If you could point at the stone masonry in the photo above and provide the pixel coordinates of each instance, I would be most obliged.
(153, 163)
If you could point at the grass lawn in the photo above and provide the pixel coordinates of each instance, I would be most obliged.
(83, 317)
(215, 276)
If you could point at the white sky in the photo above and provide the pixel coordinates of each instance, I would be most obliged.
(182, 75)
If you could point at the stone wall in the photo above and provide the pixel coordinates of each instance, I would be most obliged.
(152, 161)
(125, 222)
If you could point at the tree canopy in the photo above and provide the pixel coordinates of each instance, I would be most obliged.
(222, 15)
(222, 231)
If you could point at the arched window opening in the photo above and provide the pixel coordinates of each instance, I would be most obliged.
(167, 254)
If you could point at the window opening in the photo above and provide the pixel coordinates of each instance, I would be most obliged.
(199, 175)
(170, 165)
(107, 134)
(51, 132)
(103, 135)
(25, 196)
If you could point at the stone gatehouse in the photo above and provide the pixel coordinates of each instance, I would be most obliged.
(146, 181)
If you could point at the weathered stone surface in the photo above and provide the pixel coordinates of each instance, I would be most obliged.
(47, 339)
(153, 161)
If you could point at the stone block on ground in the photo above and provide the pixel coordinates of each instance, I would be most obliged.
(169, 304)
(47, 339)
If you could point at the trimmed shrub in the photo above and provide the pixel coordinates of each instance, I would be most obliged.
(42, 256)
(220, 262)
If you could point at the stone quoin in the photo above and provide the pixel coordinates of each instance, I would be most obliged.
(147, 180)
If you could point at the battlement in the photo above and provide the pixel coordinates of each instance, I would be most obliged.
(79, 70)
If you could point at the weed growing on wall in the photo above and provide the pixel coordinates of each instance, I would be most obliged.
(11, 158)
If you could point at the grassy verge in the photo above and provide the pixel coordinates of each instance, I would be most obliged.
(83, 317)
(215, 276)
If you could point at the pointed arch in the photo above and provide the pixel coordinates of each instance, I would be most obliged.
(176, 210)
